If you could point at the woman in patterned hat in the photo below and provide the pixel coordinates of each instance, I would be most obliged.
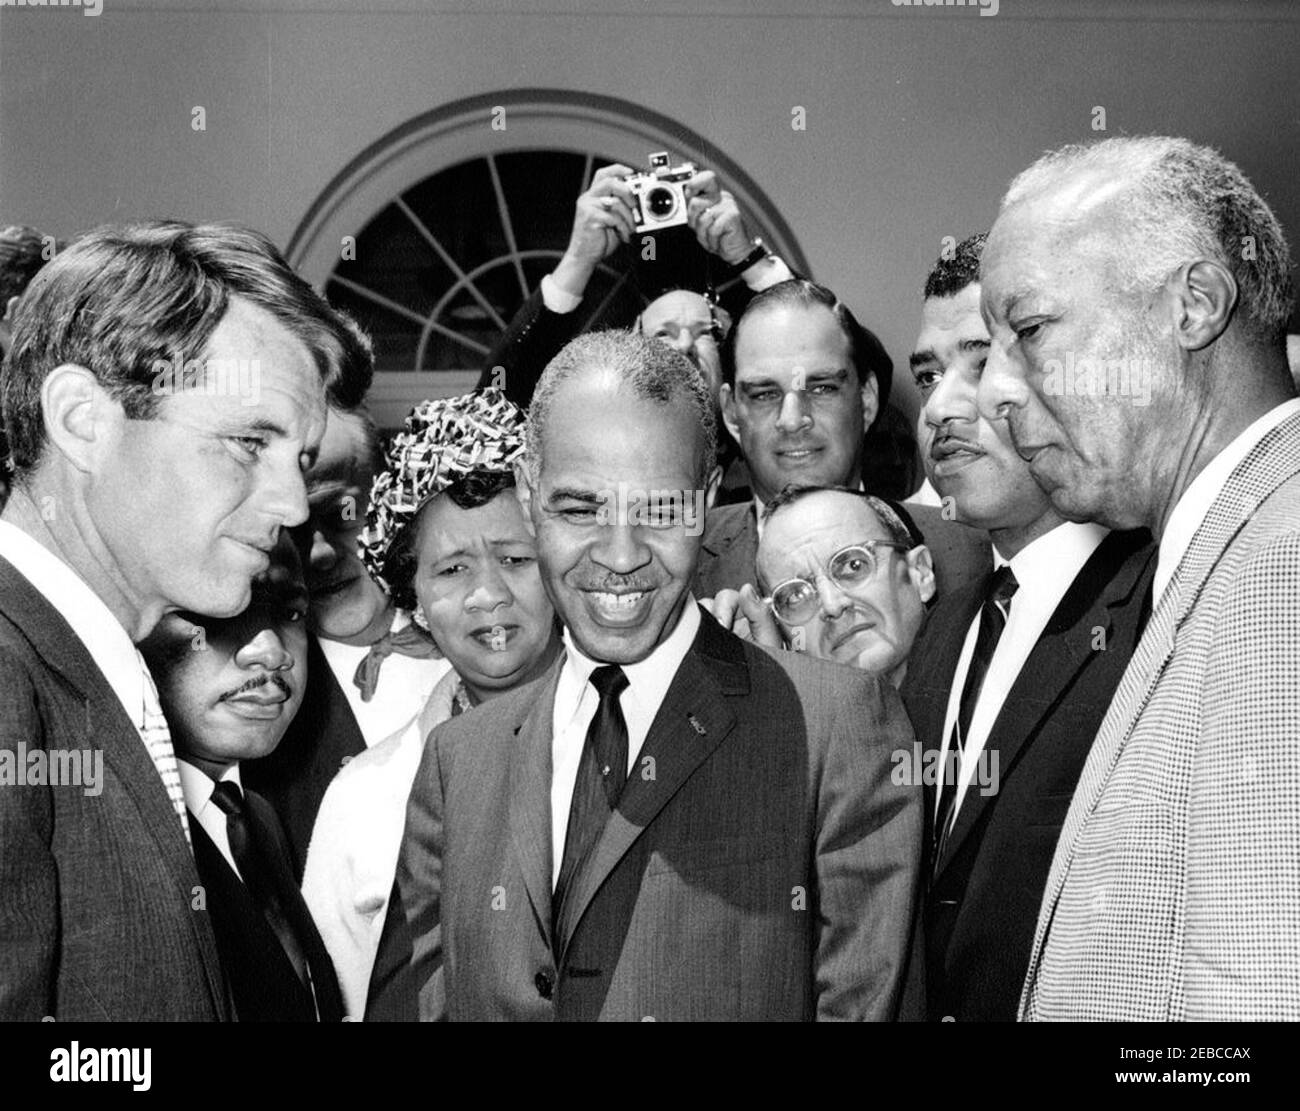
(447, 538)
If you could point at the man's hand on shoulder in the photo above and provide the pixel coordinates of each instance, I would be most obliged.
(744, 613)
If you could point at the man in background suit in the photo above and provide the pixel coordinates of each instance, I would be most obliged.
(229, 689)
(158, 435)
(369, 670)
(1009, 719)
(1138, 353)
(802, 381)
(672, 823)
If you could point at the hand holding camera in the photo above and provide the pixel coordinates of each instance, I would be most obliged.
(622, 203)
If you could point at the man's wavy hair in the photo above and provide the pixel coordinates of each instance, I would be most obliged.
(866, 352)
(120, 300)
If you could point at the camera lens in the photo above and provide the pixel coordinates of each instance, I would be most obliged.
(660, 202)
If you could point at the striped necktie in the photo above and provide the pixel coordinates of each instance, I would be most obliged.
(158, 740)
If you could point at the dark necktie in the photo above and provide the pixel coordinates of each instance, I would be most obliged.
(407, 641)
(251, 844)
(602, 770)
(993, 619)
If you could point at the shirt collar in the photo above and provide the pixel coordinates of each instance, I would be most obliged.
(91, 620)
(1194, 506)
(1055, 558)
(648, 679)
(197, 785)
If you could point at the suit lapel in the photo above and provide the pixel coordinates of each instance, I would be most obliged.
(692, 721)
(1107, 580)
(530, 798)
(105, 724)
(1272, 461)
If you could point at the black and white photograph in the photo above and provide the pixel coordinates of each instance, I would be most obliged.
(675, 511)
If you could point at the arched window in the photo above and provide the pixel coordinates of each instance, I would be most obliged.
(436, 234)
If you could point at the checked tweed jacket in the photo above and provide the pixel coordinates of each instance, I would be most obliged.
(1174, 893)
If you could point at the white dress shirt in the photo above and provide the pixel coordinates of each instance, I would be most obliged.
(1045, 570)
(576, 702)
(90, 619)
(198, 787)
(405, 685)
(355, 843)
(1194, 506)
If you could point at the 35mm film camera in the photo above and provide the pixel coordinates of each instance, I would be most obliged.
(658, 197)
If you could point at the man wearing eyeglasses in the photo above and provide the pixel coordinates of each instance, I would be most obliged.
(845, 576)
(803, 381)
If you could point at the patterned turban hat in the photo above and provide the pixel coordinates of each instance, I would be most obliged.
(443, 442)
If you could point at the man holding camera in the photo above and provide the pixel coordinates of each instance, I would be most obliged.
(605, 218)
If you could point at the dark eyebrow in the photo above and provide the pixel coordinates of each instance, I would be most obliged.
(918, 358)
(837, 375)
(265, 424)
(568, 494)
(973, 345)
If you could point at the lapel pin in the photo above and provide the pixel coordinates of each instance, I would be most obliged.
(695, 724)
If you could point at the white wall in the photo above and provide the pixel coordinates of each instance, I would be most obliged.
(916, 116)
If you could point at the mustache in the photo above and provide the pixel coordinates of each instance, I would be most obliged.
(948, 442)
(258, 681)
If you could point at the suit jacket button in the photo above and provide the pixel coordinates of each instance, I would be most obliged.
(545, 984)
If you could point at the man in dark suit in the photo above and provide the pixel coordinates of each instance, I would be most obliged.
(158, 438)
(671, 824)
(1012, 675)
(229, 689)
(802, 381)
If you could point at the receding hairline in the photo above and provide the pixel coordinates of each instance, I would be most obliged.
(785, 511)
(611, 382)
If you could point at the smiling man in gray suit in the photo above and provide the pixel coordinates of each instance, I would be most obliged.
(164, 392)
(671, 824)
(1137, 293)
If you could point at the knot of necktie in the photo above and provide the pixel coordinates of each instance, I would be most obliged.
(407, 641)
(229, 799)
(610, 682)
(1003, 588)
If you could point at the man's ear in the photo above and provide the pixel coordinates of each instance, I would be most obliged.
(727, 403)
(870, 400)
(80, 417)
(1205, 295)
(920, 569)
